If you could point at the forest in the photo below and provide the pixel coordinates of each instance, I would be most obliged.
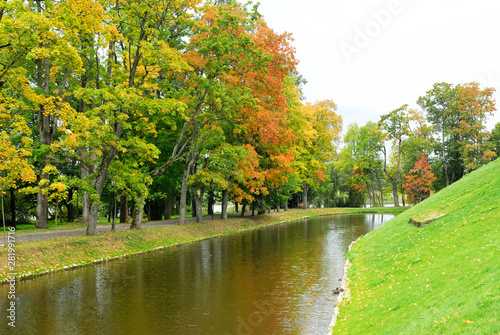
(156, 108)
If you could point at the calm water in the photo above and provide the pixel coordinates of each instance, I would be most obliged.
(276, 280)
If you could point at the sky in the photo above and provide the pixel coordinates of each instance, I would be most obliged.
(373, 56)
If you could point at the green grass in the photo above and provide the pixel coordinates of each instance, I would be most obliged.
(439, 279)
(43, 256)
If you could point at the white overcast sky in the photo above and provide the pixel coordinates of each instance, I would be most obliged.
(420, 43)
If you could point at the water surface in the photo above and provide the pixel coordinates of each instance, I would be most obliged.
(275, 280)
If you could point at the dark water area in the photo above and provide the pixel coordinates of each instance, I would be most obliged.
(275, 280)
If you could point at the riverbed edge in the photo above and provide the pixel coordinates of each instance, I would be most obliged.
(9, 277)
(344, 295)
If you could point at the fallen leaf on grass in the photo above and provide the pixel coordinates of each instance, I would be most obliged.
(468, 321)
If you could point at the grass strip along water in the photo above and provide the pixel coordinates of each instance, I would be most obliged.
(39, 257)
(441, 278)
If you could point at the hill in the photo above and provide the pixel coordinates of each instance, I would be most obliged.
(442, 278)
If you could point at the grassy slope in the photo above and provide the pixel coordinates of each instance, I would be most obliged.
(42, 256)
(443, 278)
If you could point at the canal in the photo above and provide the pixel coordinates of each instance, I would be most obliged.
(274, 280)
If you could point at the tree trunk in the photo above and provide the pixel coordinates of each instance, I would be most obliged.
(42, 203)
(86, 199)
(85, 207)
(304, 196)
(42, 211)
(92, 223)
(110, 209)
(395, 192)
(373, 195)
(184, 190)
(113, 222)
(236, 207)
(445, 159)
(99, 184)
(402, 194)
(13, 207)
(381, 192)
(211, 202)
(137, 213)
(243, 207)
(198, 200)
(45, 132)
(168, 204)
(182, 205)
(224, 205)
(123, 208)
(70, 206)
(193, 205)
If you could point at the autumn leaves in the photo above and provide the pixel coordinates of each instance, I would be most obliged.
(139, 97)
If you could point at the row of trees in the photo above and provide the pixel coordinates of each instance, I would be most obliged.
(447, 130)
(161, 103)
(146, 99)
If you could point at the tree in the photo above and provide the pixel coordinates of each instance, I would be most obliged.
(473, 106)
(318, 128)
(419, 181)
(359, 163)
(15, 144)
(495, 139)
(122, 106)
(418, 142)
(395, 126)
(237, 68)
(441, 113)
(458, 114)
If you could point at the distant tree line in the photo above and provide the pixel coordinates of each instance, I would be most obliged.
(432, 146)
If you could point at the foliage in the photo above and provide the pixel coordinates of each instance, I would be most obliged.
(419, 181)
(360, 157)
(457, 114)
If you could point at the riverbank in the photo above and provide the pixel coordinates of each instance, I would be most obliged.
(441, 278)
(40, 257)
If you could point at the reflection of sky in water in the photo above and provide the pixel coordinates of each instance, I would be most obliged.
(276, 280)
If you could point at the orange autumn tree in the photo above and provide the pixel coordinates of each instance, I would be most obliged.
(419, 181)
(239, 65)
(265, 123)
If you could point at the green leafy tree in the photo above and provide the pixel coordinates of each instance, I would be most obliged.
(474, 106)
(495, 138)
(359, 163)
(395, 127)
(441, 113)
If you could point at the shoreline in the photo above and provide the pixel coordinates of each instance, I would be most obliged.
(344, 295)
(42, 257)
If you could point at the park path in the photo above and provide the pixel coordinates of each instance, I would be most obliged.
(105, 228)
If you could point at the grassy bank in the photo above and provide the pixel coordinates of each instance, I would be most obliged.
(442, 278)
(43, 256)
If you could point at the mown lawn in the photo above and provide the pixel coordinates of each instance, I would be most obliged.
(439, 279)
